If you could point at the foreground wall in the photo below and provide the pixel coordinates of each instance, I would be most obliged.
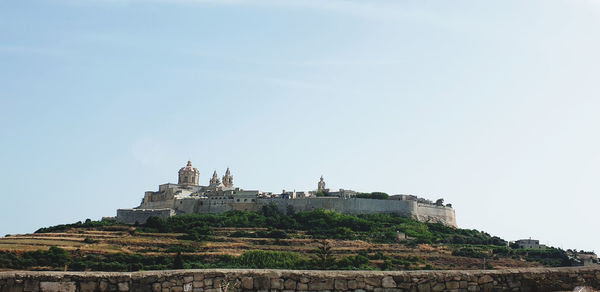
(556, 279)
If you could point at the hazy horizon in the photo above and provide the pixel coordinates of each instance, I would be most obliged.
(491, 105)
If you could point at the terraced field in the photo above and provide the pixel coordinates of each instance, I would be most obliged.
(128, 240)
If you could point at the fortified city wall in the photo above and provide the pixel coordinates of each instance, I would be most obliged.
(410, 209)
(537, 279)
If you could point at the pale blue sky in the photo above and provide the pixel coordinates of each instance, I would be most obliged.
(492, 105)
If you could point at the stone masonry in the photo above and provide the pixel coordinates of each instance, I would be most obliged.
(537, 279)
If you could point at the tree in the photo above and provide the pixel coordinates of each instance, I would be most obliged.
(324, 255)
(270, 210)
(178, 262)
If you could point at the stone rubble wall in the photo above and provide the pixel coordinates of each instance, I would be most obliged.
(537, 279)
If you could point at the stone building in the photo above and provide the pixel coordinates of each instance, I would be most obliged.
(529, 243)
(187, 196)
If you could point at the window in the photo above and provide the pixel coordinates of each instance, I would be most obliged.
(185, 179)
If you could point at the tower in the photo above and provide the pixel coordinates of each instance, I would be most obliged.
(215, 179)
(228, 179)
(188, 175)
(321, 185)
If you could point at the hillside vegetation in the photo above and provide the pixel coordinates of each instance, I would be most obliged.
(306, 240)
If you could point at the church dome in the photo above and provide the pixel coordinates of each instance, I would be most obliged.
(188, 175)
(189, 167)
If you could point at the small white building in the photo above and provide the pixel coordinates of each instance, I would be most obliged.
(529, 243)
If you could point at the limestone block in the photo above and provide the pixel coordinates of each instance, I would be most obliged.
(208, 283)
(198, 277)
(188, 279)
(198, 284)
(388, 282)
(425, 287)
(352, 285)
(57, 286)
(277, 284)
(438, 287)
(247, 283)
(31, 285)
(375, 282)
(360, 283)
(198, 290)
(262, 283)
(123, 286)
(304, 280)
(289, 284)
(103, 286)
(86, 286)
(302, 287)
(166, 284)
(176, 289)
(452, 285)
(321, 284)
(187, 287)
(341, 284)
(485, 279)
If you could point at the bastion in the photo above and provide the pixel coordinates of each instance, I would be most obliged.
(187, 197)
(532, 279)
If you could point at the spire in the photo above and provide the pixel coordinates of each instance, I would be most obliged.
(228, 179)
(189, 163)
(215, 179)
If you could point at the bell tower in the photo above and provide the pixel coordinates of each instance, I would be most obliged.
(228, 179)
(215, 179)
(321, 185)
(188, 175)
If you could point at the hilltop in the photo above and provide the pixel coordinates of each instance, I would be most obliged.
(317, 239)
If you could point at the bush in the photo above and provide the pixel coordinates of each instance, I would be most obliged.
(260, 259)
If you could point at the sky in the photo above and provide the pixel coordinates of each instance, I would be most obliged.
(491, 105)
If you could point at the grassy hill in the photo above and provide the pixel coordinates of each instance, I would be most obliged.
(306, 240)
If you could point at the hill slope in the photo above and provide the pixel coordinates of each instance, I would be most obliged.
(307, 240)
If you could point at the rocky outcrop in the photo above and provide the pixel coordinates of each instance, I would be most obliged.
(551, 279)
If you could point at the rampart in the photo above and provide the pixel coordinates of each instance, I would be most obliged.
(410, 209)
(538, 279)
